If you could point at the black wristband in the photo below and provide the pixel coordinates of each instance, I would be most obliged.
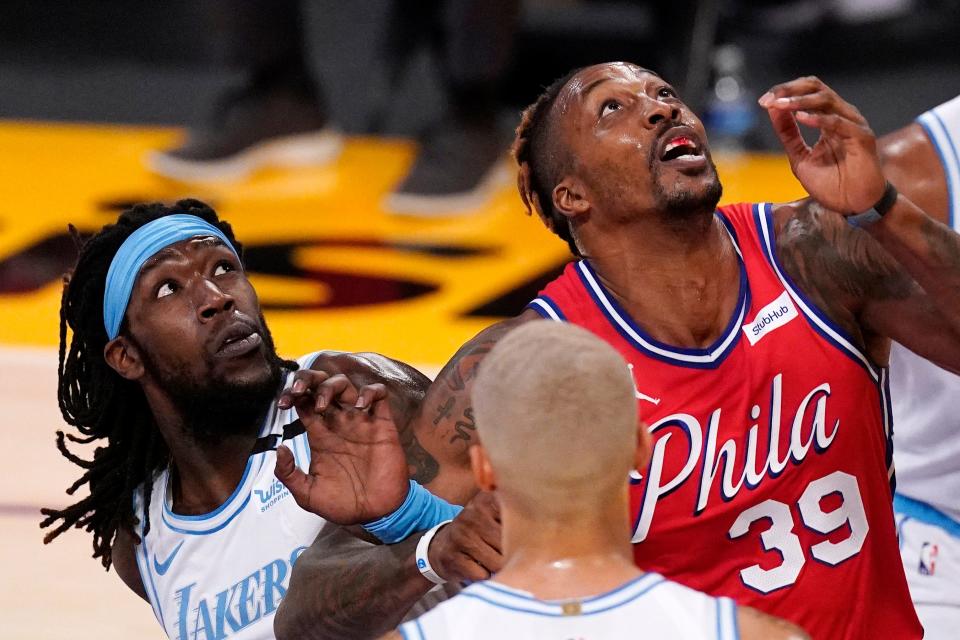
(887, 200)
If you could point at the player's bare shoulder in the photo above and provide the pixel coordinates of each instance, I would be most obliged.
(840, 267)
(756, 625)
(124, 561)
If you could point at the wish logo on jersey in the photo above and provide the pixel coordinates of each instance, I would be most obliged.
(271, 496)
(236, 606)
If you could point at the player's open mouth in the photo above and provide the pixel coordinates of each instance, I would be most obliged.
(681, 149)
(239, 340)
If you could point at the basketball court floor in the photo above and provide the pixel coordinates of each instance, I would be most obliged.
(333, 270)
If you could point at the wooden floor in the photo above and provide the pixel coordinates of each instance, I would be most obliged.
(333, 270)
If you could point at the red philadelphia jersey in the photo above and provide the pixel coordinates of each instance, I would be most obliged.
(770, 480)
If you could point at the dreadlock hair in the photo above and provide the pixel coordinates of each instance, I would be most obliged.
(99, 402)
(541, 161)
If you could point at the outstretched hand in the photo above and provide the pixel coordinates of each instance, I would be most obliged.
(842, 170)
(358, 471)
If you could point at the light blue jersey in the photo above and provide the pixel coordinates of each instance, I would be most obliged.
(927, 441)
(222, 575)
(648, 607)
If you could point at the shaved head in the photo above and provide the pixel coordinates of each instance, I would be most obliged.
(557, 416)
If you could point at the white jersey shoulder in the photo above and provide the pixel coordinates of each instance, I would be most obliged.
(222, 574)
(648, 607)
(942, 125)
(926, 446)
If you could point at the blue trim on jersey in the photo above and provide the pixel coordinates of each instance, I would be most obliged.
(556, 608)
(526, 596)
(718, 631)
(708, 358)
(150, 587)
(213, 530)
(732, 628)
(407, 629)
(923, 512)
(934, 140)
(951, 188)
(202, 532)
(222, 507)
(544, 305)
(810, 311)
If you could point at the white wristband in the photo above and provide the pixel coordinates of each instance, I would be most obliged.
(423, 555)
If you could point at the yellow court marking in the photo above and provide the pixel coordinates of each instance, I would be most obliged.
(52, 174)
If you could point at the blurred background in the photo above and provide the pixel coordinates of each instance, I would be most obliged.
(360, 151)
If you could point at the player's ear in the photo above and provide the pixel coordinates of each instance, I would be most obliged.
(570, 197)
(482, 469)
(124, 358)
(644, 446)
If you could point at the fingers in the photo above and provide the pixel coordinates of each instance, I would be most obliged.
(370, 395)
(291, 476)
(337, 389)
(810, 102)
(462, 555)
(809, 94)
(305, 382)
(835, 124)
(470, 547)
(317, 390)
(785, 126)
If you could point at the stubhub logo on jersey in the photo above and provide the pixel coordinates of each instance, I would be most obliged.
(236, 607)
(773, 316)
(809, 429)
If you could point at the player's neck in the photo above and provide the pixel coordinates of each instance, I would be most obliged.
(204, 471)
(678, 282)
(567, 557)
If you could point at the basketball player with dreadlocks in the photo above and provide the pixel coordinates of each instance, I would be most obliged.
(172, 371)
(757, 335)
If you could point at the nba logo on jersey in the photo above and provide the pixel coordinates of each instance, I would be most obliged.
(928, 559)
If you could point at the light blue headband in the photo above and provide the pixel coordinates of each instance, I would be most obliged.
(137, 249)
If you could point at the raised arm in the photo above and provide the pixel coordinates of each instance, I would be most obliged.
(896, 277)
(441, 432)
(344, 588)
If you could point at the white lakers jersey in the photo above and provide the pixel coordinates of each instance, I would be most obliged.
(222, 574)
(648, 607)
(924, 396)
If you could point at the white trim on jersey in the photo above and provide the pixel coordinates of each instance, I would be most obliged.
(942, 126)
(812, 314)
(502, 596)
(825, 327)
(146, 575)
(545, 309)
(717, 619)
(627, 327)
(727, 624)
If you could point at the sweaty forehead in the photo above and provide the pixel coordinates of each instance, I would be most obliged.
(583, 82)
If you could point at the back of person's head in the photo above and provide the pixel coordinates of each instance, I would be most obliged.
(557, 418)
